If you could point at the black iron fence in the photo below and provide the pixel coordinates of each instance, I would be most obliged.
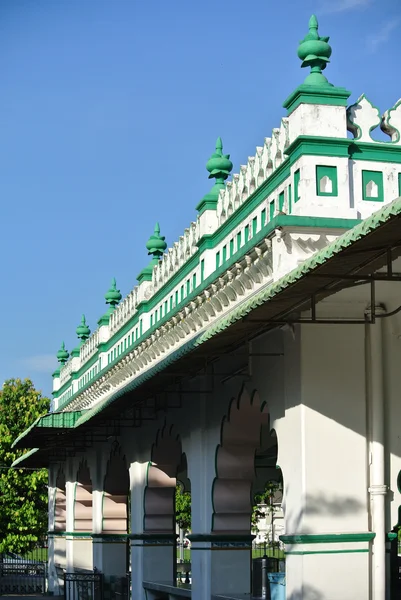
(123, 587)
(274, 552)
(85, 585)
(22, 575)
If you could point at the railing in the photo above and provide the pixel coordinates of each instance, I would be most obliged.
(124, 311)
(65, 372)
(274, 552)
(22, 575)
(258, 168)
(84, 585)
(123, 587)
(89, 348)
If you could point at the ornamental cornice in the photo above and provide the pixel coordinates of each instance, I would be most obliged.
(248, 275)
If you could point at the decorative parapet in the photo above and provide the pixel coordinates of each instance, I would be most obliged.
(176, 256)
(363, 117)
(245, 277)
(65, 372)
(258, 168)
(126, 309)
(89, 347)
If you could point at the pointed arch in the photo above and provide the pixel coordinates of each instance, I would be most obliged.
(116, 489)
(241, 437)
(159, 498)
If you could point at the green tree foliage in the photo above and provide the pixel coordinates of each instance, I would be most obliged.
(182, 508)
(23, 493)
(265, 497)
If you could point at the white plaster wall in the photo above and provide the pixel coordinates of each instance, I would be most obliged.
(333, 394)
(317, 119)
(309, 203)
(392, 375)
(390, 184)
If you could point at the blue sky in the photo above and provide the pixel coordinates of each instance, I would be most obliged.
(109, 110)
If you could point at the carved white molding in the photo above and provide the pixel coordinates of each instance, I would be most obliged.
(248, 275)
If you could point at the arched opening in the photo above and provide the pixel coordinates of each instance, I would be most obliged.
(83, 499)
(372, 190)
(326, 185)
(246, 461)
(82, 544)
(267, 493)
(167, 468)
(116, 494)
(116, 506)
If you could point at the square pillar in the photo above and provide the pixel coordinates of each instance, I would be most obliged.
(220, 562)
(323, 454)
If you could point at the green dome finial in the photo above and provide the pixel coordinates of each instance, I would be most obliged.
(315, 51)
(83, 331)
(113, 295)
(62, 355)
(156, 244)
(219, 165)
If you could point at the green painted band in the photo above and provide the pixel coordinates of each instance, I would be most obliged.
(220, 537)
(152, 536)
(308, 94)
(82, 534)
(109, 536)
(354, 551)
(327, 538)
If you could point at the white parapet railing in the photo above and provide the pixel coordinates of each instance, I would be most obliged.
(89, 347)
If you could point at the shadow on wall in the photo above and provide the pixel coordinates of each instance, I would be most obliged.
(306, 593)
(337, 506)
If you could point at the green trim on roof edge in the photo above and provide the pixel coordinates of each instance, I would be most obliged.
(310, 94)
(264, 295)
(268, 229)
(173, 357)
(53, 420)
(24, 457)
(342, 242)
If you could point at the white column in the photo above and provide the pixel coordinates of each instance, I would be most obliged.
(70, 498)
(137, 479)
(201, 502)
(53, 583)
(378, 487)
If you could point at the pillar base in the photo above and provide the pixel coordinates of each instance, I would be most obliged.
(334, 566)
(221, 564)
(153, 558)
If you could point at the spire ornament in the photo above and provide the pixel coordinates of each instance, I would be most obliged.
(113, 295)
(83, 331)
(219, 166)
(315, 51)
(156, 247)
(156, 244)
(62, 355)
